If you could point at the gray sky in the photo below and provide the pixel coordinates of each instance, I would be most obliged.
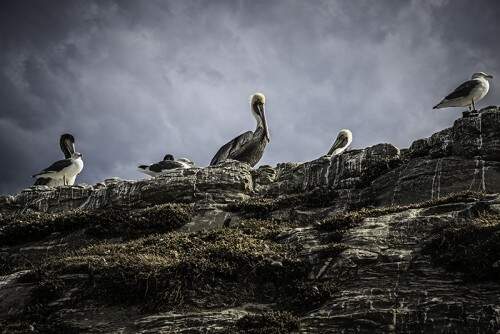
(133, 80)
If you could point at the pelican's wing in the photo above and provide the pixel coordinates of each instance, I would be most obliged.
(463, 90)
(232, 148)
(56, 167)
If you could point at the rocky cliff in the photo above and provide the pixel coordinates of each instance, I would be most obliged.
(376, 240)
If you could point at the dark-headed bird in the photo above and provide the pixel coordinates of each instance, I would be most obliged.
(167, 163)
(249, 146)
(62, 172)
(344, 139)
(468, 93)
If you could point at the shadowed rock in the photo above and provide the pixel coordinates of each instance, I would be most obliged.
(375, 240)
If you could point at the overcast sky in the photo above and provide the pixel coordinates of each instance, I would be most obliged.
(133, 80)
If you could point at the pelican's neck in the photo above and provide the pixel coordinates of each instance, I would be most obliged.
(260, 124)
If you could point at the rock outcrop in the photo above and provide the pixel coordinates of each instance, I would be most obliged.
(353, 238)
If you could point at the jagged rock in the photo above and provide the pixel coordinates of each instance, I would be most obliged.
(368, 272)
(463, 157)
(14, 295)
(229, 181)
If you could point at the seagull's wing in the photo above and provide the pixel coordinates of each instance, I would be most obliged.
(56, 167)
(232, 148)
(463, 90)
(42, 181)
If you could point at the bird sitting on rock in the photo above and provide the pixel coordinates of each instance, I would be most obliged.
(167, 163)
(249, 146)
(468, 93)
(62, 172)
(344, 139)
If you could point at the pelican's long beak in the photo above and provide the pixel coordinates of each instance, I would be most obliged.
(262, 115)
(339, 142)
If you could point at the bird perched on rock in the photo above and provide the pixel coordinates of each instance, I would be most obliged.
(344, 139)
(249, 146)
(468, 93)
(167, 163)
(62, 172)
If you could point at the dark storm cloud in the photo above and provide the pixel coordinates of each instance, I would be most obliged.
(134, 80)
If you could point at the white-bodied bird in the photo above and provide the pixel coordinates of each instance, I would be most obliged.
(468, 93)
(62, 172)
(344, 139)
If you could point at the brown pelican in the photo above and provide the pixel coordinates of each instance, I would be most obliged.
(344, 139)
(167, 164)
(62, 172)
(468, 93)
(249, 146)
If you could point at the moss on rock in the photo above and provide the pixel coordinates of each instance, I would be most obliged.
(262, 207)
(344, 220)
(20, 228)
(473, 248)
(217, 268)
(267, 323)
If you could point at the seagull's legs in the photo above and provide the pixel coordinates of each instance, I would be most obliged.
(473, 105)
(64, 179)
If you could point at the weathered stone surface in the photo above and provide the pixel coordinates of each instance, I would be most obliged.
(228, 182)
(388, 285)
(463, 157)
(423, 179)
(384, 281)
(14, 295)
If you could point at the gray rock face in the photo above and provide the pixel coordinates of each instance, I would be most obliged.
(463, 157)
(388, 285)
(385, 282)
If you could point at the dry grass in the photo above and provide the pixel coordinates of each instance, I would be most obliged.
(472, 248)
(216, 268)
(267, 323)
(345, 220)
(262, 207)
(108, 223)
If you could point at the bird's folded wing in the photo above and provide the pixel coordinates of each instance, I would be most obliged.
(232, 148)
(56, 166)
(165, 165)
(463, 90)
(42, 181)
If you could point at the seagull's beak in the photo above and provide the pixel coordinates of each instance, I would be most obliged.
(262, 115)
(489, 76)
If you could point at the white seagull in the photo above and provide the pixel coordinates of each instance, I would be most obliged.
(62, 172)
(468, 93)
(344, 139)
(167, 164)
